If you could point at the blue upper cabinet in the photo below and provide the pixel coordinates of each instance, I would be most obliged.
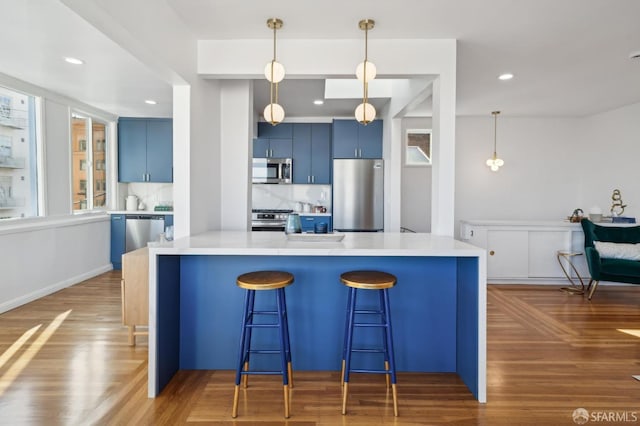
(312, 153)
(301, 153)
(370, 139)
(159, 151)
(345, 139)
(321, 153)
(132, 150)
(273, 141)
(354, 140)
(145, 150)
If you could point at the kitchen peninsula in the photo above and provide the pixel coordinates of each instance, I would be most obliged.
(438, 305)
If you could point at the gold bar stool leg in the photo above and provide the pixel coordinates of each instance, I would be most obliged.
(236, 397)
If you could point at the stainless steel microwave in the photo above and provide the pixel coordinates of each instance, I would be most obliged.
(272, 170)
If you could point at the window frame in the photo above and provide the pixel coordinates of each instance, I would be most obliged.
(406, 145)
(90, 177)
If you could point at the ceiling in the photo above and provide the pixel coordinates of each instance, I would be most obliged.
(569, 57)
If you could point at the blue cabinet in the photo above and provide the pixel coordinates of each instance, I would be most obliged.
(273, 141)
(354, 140)
(117, 240)
(145, 150)
(168, 220)
(308, 222)
(312, 153)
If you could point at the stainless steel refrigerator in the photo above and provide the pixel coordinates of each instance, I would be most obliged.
(358, 195)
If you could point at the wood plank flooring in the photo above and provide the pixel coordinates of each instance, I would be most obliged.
(64, 359)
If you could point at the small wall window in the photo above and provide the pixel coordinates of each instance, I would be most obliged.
(418, 147)
(89, 178)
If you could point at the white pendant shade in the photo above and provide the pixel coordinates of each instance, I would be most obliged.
(371, 71)
(274, 113)
(278, 72)
(495, 163)
(365, 113)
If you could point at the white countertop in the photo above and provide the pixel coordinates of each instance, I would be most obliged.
(354, 244)
(150, 212)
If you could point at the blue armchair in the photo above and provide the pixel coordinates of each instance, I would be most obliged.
(604, 269)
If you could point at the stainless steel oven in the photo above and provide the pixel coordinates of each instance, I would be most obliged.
(272, 170)
(269, 219)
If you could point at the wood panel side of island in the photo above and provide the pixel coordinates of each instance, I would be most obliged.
(135, 292)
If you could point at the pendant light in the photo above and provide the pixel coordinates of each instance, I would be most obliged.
(494, 162)
(274, 73)
(366, 71)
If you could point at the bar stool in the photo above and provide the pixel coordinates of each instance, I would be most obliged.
(252, 282)
(382, 282)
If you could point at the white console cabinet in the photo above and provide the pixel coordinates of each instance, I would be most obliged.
(526, 251)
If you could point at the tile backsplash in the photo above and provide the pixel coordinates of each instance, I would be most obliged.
(151, 194)
(286, 196)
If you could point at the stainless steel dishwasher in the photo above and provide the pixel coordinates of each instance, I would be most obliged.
(141, 229)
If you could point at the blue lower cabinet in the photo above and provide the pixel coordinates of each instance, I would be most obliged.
(168, 220)
(117, 239)
(309, 222)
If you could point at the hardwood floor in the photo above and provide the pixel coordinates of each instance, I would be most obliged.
(64, 359)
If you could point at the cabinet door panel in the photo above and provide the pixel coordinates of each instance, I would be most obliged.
(281, 148)
(510, 258)
(132, 150)
(117, 240)
(260, 148)
(160, 150)
(301, 153)
(370, 139)
(543, 247)
(345, 138)
(321, 153)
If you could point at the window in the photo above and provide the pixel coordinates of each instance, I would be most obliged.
(89, 174)
(19, 154)
(418, 147)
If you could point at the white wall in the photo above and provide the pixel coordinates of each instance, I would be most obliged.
(552, 165)
(236, 149)
(57, 127)
(610, 149)
(48, 257)
(416, 185)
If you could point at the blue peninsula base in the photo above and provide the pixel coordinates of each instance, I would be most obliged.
(195, 319)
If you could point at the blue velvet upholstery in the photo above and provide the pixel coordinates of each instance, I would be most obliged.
(616, 270)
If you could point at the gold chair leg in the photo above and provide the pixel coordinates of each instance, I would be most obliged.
(345, 391)
(386, 367)
(286, 401)
(245, 378)
(236, 396)
(290, 374)
(593, 289)
(395, 400)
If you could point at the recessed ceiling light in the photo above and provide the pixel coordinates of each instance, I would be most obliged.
(74, 61)
(318, 102)
(150, 102)
(505, 76)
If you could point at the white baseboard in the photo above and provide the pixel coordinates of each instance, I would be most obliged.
(34, 295)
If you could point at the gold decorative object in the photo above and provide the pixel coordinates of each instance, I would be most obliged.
(617, 208)
(274, 73)
(494, 162)
(366, 71)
